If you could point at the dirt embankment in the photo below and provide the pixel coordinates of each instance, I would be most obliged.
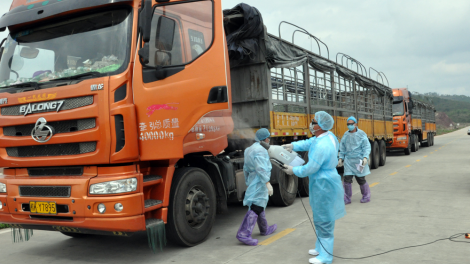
(442, 120)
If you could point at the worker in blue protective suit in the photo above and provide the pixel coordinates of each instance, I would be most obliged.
(257, 170)
(354, 148)
(326, 191)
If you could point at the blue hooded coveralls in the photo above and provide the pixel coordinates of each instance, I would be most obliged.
(325, 187)
(257, 170)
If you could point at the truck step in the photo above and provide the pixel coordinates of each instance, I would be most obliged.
(151, 204)
(152, 179)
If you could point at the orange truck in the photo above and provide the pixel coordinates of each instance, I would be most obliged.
(120, 116)
(414, 122)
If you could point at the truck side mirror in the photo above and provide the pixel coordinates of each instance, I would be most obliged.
(145, 20)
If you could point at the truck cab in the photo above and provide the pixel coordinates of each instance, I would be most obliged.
(401, 120)
(101, 100)
(413, 121)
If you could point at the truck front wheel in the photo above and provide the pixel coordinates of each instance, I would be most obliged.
(191, 213)
(408, 149)
(414, 143)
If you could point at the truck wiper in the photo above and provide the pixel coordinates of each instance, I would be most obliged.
(78, 76)
(35, 85)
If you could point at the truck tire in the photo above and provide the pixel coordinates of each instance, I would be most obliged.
(285, 190)
(303, 182)
(375, 155)
(76, 235)
(432, 139)
(428, 141)
(191, 212)
(413, 143)
(408, 149)
(383, 153)
(418, 143)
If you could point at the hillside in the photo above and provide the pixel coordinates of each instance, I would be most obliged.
(462, 98)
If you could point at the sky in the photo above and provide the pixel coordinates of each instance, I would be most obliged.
(420, 44)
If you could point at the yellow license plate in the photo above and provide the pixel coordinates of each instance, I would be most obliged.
(43, 207)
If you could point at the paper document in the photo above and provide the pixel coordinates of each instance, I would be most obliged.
(360, 167)
(297, 162)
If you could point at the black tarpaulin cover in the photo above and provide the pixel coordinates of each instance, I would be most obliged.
(364, 82)
(321, 65)
(345, 73)
(242, 38)
(245, 32)
(247, 38)
(281, 55)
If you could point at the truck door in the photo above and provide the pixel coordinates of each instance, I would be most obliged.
(185, 81)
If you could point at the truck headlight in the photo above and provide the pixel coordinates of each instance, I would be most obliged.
(3, 188)
(111, 187)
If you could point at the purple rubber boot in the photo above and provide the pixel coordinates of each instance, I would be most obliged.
(365, 190)
(263, 225)
(246, 228)
(347, 192)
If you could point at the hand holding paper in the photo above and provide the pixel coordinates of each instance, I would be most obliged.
(360, 167)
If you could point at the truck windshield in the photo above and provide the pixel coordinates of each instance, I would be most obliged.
(398, 109)
(97, 43)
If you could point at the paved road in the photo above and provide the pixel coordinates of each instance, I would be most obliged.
(415, 199)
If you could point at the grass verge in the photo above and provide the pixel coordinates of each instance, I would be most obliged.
(2, 226)
(442, 131)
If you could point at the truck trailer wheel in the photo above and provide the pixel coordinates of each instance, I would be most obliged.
(303, 182)
(286, 190)
(428, 139)
(383, 153)
(432, 139)
(375, 155)
(191, 212)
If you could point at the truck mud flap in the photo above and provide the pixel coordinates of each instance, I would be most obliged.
(68, 229)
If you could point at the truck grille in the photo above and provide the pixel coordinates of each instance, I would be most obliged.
(45, 191)
(52, 150)
(59, 127)
(70, 103)
(56, 171)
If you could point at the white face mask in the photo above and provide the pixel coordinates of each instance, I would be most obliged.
(312, 130)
